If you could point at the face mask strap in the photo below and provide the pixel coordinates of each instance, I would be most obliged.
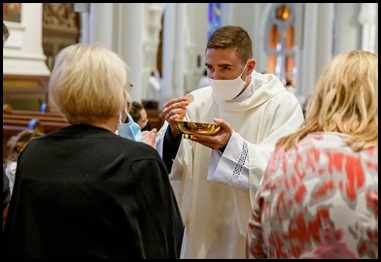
(244, 68)
(128, 116)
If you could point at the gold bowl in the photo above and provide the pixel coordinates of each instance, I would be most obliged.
(189, 128)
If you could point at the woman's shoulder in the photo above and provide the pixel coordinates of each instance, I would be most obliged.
(320, 150)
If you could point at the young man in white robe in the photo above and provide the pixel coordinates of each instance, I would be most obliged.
(215, 178)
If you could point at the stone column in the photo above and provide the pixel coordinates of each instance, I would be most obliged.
(174, 52)
(307, 50)
(131, 29)
(101, 24)
(153, 14)
(167, 91)
(367, 19)
(84, 10)
(325, 34)
(317, 45)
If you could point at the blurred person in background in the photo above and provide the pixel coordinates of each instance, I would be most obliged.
(139, 114)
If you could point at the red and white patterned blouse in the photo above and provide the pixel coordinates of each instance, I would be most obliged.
(317, 200)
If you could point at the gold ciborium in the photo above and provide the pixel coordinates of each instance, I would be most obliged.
(189, 128)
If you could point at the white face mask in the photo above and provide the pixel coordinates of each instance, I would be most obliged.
(224, 90)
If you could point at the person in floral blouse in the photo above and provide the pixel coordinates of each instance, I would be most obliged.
(319, 195)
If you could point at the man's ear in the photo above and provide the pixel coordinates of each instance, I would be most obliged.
(250, 66)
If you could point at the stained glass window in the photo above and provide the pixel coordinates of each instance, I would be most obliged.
(214, 17)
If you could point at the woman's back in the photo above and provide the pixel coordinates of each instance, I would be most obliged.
(91, 193)
(320, 201)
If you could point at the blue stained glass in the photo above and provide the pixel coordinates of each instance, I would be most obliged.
(214, 17)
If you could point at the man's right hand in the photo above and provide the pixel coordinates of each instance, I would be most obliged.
(174, 110)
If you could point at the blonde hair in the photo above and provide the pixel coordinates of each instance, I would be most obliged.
(87, 83)
(345, 100)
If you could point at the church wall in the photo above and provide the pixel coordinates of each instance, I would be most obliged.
(183, 60)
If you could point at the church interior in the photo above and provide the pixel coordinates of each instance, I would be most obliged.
(292, 40)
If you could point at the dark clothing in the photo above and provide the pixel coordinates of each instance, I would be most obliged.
(170, 148)
(6, 190)
(85, 192)
(147, 127)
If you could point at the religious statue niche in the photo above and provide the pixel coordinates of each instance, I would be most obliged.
(60, 29)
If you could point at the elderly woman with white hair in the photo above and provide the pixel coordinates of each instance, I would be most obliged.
(84, 191)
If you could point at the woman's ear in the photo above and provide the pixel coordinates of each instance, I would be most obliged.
(123, 113)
